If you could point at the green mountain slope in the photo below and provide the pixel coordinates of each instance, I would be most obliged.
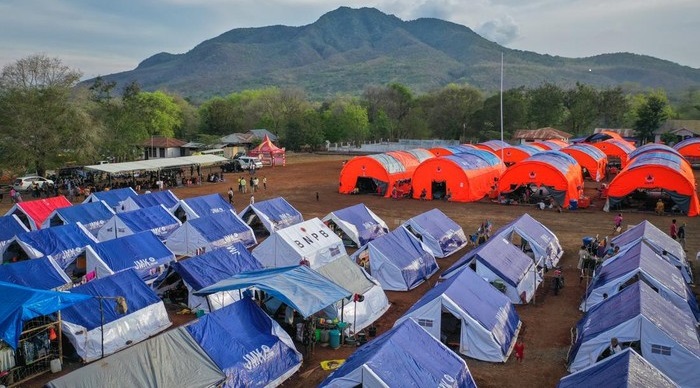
(348, 49)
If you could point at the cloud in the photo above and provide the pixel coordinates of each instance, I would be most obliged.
(502, 31)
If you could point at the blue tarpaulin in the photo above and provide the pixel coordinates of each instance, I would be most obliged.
(301, 288)
(156, 198)
(63, 243)
(204, 206)
(142, 251)
(155, 218)
(10, 226)
(19, 304)
(113, 198)
(222, 263)
(473, 301)
(216, 231)
(275, 214)
(504, 259)
(92, 216)
(42, 273)
(442, 235)
(247, 345)
(126, 284)
(359, 223)
(405, 356)
(625, 369)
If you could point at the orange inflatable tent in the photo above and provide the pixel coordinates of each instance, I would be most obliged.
(616, 150)
(555, 170)
(690, 149)
(466, 176)
(552, 144)
(652, 147)
(515, 154)
(375, 174)
(653, 171)
(450, 150)
(590, 158)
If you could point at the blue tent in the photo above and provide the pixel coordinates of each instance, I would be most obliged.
(357, 223)
(299, 287)
(666, 335)
(63, 243)
(157, 219)
(639, 262)
(92, 215)
(497, 260)
(398, 260)
(42, 273)
(535, 238)
(247, 345)
(272, 214)
(659, 242)
(488, 325)
(142, 251)
(10, 226)
(211, 267)
(436, 230)
(113, 198)
(202, 206)
(203, 234)
(82, 323)
(19, 304)
(405, 356)
(156, 198)
(624, 369)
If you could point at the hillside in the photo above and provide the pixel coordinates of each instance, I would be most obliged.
(348, 49)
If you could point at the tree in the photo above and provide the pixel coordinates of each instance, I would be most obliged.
(613, 105)
(650, 115)
(488, 119)
(546, 106)
(450, 110)
(40, 121)
(394, 101)
(582, 105)
(345, 120)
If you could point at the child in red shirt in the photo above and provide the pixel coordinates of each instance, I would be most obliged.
(519, 350)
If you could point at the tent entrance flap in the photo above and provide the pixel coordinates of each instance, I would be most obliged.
(439, 189)
(450, 330)
(367, 185)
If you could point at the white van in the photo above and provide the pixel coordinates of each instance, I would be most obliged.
(244, 162)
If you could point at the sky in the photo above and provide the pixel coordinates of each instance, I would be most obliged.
(104, 37)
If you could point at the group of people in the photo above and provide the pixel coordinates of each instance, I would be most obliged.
(589, 257)
(483, 233)
(253, 182)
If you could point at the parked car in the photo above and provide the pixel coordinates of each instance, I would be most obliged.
(26, 182)
(245, 162)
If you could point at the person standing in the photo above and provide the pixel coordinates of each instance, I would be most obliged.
(519, 350)
(673, 230)
(681, 236)
(252, 200)
(230, 195)
(265, 183)
(618, 223)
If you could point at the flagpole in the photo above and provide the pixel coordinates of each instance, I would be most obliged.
(501, 104)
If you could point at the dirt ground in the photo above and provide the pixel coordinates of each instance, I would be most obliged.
(547, 322)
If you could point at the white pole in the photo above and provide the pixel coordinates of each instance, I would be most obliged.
(501, 104)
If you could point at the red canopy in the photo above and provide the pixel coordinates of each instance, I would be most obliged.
(269, 153)
(37, 211)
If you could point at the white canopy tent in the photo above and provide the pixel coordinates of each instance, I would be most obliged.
(157, 164)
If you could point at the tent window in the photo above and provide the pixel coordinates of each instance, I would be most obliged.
(660, 349)
(425, 322)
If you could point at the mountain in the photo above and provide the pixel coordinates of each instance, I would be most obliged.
(348, 49)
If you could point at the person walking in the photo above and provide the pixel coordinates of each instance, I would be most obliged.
(230, 195)
(264, 183)
(519, 350)
(252, 200)
(681, 236)
(673, 231)
(618, 224)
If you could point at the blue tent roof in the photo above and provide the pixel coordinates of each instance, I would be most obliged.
(488, 157)
(63, 243)
(140, 250)
(279, 211)
(421, 154)
(207, 205)
(652, 147)
(147, 219)
(232, 334)
(688, 141)
(501, 257)
(468, 161)
(636, 299)
(19, 304)
(661, 158)
(211, 267)
(483, 302)
(590, 150)
(221, 225)
(92, 215)
(529, 149)
(495, 144)
(390, 163)
(406, 356)
(358, 215)
(658, 240)
(403, 249)
(126, 283)
(438, 225)
(165, 198)
(563, 162)
(625, 369)
(42, 273)
(113, 197)
(10, 226)
(303, 289)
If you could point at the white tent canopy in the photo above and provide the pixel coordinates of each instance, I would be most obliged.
(157, 164)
